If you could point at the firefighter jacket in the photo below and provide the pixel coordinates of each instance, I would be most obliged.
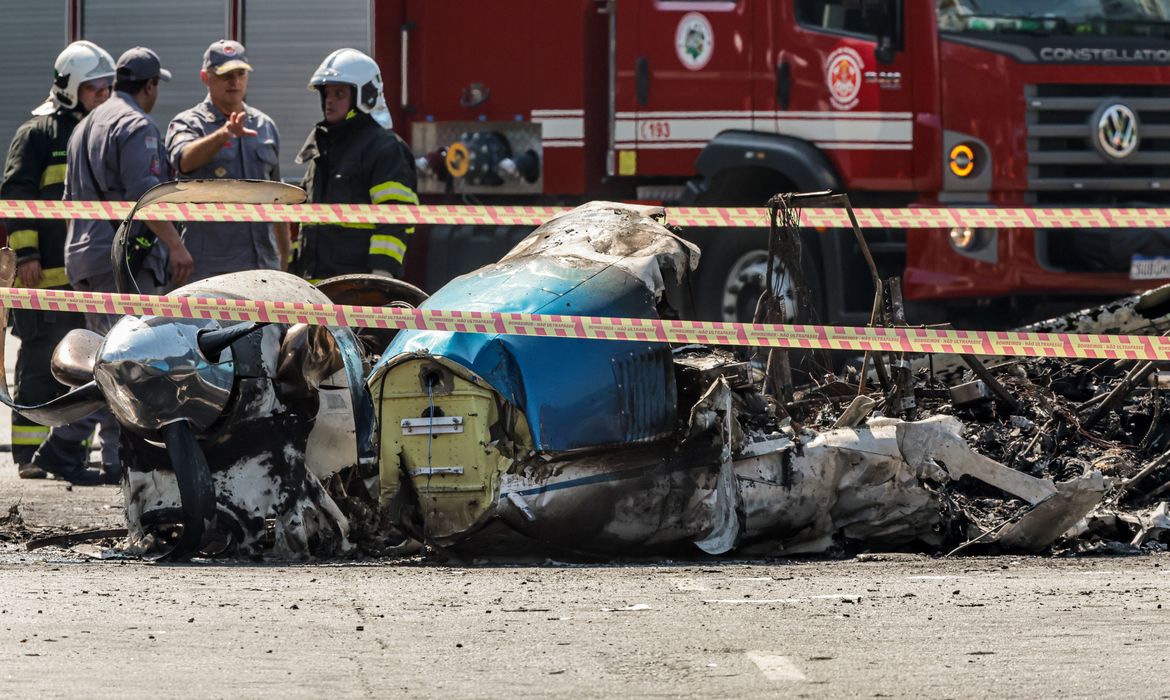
(35, 169)
(355, 162)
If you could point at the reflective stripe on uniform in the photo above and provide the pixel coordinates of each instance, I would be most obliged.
(29, 434)
(50, 277)
(387, 245)
(53, 175)
(391, 191)
(362, 227)
(24, 238)
(314, 228)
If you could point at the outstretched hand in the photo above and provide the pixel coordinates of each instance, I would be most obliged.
(181, 264)
(235, 125)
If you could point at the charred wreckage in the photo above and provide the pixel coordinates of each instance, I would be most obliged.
(291, 441)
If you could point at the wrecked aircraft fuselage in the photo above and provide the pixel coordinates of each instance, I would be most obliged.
(474, 426)
(232, 435)
(520, 442)
(280, 439)
(275, 414)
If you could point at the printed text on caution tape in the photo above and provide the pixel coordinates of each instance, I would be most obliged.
(909, 340)
(703, 217)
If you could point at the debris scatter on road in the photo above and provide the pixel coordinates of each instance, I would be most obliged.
(307, 442)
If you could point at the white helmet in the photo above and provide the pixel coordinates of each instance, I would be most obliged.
(81, 61)
(352, 67)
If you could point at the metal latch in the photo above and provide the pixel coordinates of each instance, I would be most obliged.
(435, 425)
(436, 471)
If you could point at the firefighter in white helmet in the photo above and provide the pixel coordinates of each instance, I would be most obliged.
(353, 158)
(35, 169)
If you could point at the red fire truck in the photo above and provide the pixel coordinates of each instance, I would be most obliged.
(897, 102)
(725, 102)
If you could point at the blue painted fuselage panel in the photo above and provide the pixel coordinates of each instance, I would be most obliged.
(576, 393)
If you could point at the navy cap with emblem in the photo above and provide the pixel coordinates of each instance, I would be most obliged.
(224, 56)
(140, 63)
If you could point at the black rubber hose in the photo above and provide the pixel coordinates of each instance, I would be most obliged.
(196, 489)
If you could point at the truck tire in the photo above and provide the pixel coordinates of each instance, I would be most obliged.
(732, 271)
(457, 250)
(734, 262)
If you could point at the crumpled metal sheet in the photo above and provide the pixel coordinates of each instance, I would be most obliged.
(270, 497)
(854, 483)
(1154, 524)
(1054, 516)
(880, 484)
(636, 499)
(599, 234)
(1147, 313)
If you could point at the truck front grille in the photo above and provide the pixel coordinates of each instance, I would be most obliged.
(1062, 132)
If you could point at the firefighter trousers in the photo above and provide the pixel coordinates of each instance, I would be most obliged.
(39, 333)
(108, 429)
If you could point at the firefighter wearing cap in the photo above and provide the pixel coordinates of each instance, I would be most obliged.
(116, 155)
(353, 158)
(35, 169)
(222, 137)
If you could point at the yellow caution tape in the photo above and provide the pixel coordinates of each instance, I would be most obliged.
(705, 217)
(909, 340)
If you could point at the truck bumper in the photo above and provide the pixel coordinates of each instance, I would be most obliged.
(1065, 262)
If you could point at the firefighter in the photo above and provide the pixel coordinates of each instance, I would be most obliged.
(353, 158)
(222, 137)
(35, 169)
(116, 155)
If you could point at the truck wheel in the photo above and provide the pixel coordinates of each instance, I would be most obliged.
(732, 274)
(457, 250)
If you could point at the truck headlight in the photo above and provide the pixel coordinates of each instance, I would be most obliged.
(964, 237)
(978, 243)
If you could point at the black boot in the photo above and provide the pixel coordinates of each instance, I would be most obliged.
(30, 471)
(78, 476)
(67, 461)
(112, 473)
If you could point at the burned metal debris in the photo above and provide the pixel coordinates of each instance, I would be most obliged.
(244, 439)
(295, 441)
(1096, 430)
(515, 443)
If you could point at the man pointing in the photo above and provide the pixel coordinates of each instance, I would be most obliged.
(222, 137)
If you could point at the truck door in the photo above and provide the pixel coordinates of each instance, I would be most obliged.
(690, 78)
(851, 87)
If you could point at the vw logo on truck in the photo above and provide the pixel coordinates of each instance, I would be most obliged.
(1117, 131)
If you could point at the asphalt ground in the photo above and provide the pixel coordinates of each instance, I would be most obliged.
(73, 623)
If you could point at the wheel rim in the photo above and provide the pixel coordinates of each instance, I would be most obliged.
(745, 282)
